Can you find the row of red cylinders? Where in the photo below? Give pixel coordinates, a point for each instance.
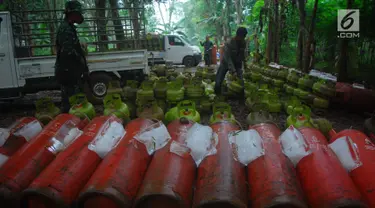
(129, 177)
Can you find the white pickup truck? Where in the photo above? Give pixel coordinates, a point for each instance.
(23, 70)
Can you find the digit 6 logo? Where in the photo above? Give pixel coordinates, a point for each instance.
(346, 19)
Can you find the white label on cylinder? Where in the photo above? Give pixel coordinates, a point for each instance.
(4, 135)
(347, 152)
(179, 149)
(29, 131)
(247, 146)
(3, 159)
(294, 145)
(61, 144)
(201, 141)
(108, 140)
(155, 137)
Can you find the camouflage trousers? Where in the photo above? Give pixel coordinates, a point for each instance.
(66, 92)
(220, 76)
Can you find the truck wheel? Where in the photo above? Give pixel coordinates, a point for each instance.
(189, 61)
(99, 87)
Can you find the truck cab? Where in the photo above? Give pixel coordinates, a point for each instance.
(176, 50)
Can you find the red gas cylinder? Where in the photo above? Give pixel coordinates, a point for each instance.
(117, 179)
(18, 134)
(59, 184)
(221, 52)
(272, 178)
(323, 179)
(169, 178)
(214, 55)
(364, 151)
(26, 164)
(314, 137)
(221, 180)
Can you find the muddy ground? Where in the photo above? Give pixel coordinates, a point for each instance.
(340, 118)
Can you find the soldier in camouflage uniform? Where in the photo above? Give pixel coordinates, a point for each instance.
(70, 66)
(233, 58)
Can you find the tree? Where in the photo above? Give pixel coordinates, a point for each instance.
(310, 46)
(301, 34)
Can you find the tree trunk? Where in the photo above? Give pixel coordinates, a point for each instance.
(343, 57)
(282, 25)
(270, 32)
(117, 24)
(309, 43)
(238, 11)
(227, 16)
(301, 33)
(101, 24)
(276, 34)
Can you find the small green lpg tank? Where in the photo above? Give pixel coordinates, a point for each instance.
(184, 108)
(81, 107)
(175, 91)
(113, 105)
(222, 112)
(300, 117)
(46, 110)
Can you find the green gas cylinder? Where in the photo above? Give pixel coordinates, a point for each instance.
(113, 105)
(199, 72)
(195, 89)
(171, 73)
(274, 103)
(291, 103)
(293, 77)
(247, 75)
(222, 112)
(306, 82)
(266, 71)
(209, 73)
(259, 117)
(184, 108)
(146, 92)
(162, 104)
(235, 86)
(300, 117)
(301, 93)
(150, 110)
(278, 83)
(208, 88)
(46, 110)
(319, 102)
(114, 86)
(175, 91)
(255, 76)
(130, 89)
(273, 72)
(325, 88)
(161, 87)
(289, 89)
(81, 107)
(250, 89)
(282, 73)
(160, 70)
(266, 79)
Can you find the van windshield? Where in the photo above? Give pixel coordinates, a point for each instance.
(185, 40)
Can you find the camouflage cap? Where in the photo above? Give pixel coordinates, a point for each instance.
(73, 6)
